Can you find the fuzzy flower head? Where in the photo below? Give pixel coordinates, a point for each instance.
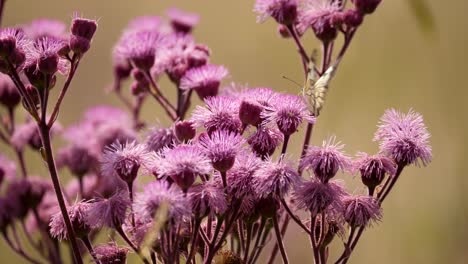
(184, 130)
(25, 194)
(43, 56)
(44, 27)
(374, 168)
(182, 164)
(78, 159)
(287, 112)
(241, 176)
(275, 178)
(207, 198)
(204, 80)
(159, 138)
(110, 212)
(283, 11)
(265, 140)
(78, 214)
(25, 134)
(157, 193)
(124, 160)
(322, 16)
(315, 196)
(140, 48)
(220, 113)
(222, 148)
(144, 23)
(111, 254)
(361, 211)
(404, 137)
(182, 21)
(9, 95)
(13, 45)
(7, 169)
(82, 32)
(325, 161)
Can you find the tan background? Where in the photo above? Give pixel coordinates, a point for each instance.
(392, 63)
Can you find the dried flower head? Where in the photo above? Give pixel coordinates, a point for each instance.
(404, 137)
(361, 210)
(283, 11)
(220, 113)
(78, 214)
(204, 80)
(125, 160)
(182, 164)
(374, 168)
(366, 6)
(275, 178)
(82, 32)
(110, 212)
(325, 161)
(316, 196)
(184, 130)
(287, 112)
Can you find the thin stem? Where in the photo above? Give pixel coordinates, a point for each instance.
(130, 193)
(130, 243)
(223, 177)
(392, 183)
(300, 48)
(20, 156)
(89, 246)
(279, 239)
(305, 145)
(354, 243)
(156, 93)
(75, 61)
(30, 106)
(257, 240)
(294, 217)
(186, 104)
(285, 144)
(196, 227)
(312, 238)
(262, 245)
(248, 241)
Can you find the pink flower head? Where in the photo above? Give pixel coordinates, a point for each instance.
(144, 23)
(45, 27)
(26, 133)
(43, 56)
(404, 137)
(125, 160)
(182, 21)
(321, 16)
(156, 193)
(265, 140)
(111, 253)
(262, 95)
(283, 11)
(361, 211)
(207, 198)
(9, 95)
(182, 164)
(325, 161)
(140, 48)
(13, 45)
(374, 168)
(110, 212)
(222, 148)
(275, 178)
(316, 196)
(159, 138)
(241, 176)
(184, 130)
(287, 112)
(7, 169)
(82, 32)
(205, 80)
(78, 214)
(220, 113)
(79, 159)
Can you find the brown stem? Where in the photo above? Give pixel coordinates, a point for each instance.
(156, 93)
(279, 239)
(294, 217)
(90, 249)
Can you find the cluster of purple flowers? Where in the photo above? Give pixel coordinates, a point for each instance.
(223, 173)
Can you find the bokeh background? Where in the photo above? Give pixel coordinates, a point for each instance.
(393, 62)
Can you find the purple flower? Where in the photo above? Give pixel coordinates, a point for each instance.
(207, 198)
(140, 48)
(322, 16)
(45, 27)
(184, 130)
(156, 193)
(91, 186)
(265, 140)
(262, 95)
(80, 160)
(325, 161)
(13, 44)
(125, 160)
(404, 137)
(7, 169)
(287, 112)
(361, 211)
(26, 133)
(222, 148)
(110, 212)
(316, 196)
(220, 113)
(205, 80)
(144, 23)
(25, 194)
(182, 164)
(366, 6)
(43, 56)
(275, 178)
(182, 21)
(78, 215)
(241, 176)
(374, 168)
(159, 138)
(283, 11)
(82, 32)
(5, 214)
(111, 253)
(9, 95)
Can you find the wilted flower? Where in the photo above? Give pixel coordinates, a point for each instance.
(325, 161)
(220, 113)
(82, 30)
(361, 210)
(404, 137)
(78, 217)
(204, 80)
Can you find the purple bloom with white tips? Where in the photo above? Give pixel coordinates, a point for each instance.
(322, 16)
(111, 253)
(43, 56)
(374, 168)
(242, 175)
(207, 198)
(283, 11)
(315, 196)
(404, 137)
(220, 113)
(78, 217)
(140, 48)
(110, 212)
(275, 178)
(159, 138)
(204, 80)
(361, 211)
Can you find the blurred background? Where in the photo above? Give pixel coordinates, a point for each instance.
(394, 61)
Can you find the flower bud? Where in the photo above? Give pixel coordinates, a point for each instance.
(7, 46)
(249, 112)
(199, 56)
(353, 18)
(184, 130)
(283, 31)
(48, 64)
(366, 6)
(79, 45)
(84, 28)
(9, 96)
